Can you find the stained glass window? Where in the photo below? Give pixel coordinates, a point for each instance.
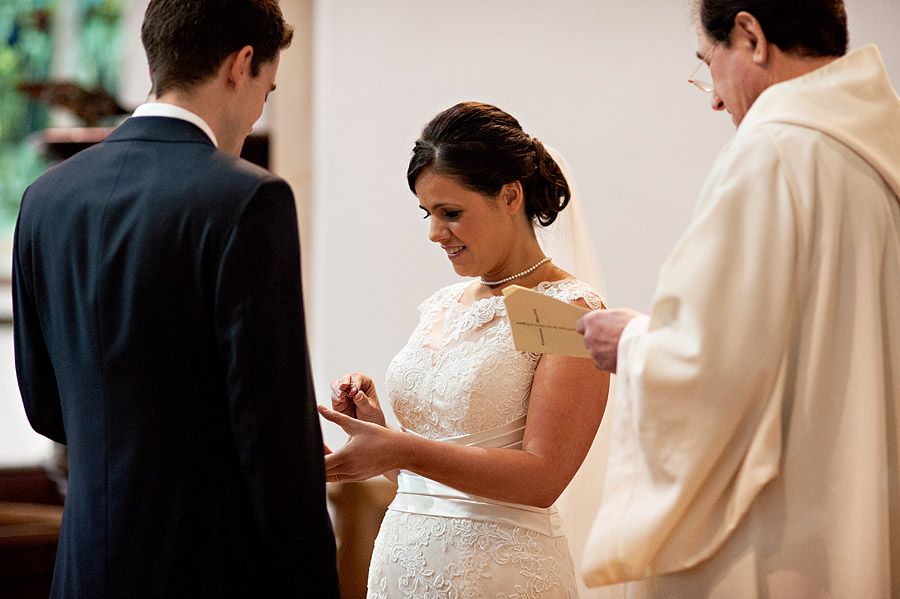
(100, 49)
(26, 52)
(43, 40)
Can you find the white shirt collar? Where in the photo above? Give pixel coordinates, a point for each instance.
(175, 112)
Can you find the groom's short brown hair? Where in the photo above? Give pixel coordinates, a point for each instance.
(187, 40)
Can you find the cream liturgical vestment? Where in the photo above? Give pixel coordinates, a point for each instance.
(755, 442)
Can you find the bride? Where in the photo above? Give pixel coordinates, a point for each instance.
(490, 436)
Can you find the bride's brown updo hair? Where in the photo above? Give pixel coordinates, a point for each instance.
(485, 148)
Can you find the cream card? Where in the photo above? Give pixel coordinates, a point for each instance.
(544, 325)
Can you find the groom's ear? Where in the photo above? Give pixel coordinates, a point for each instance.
(238, 67)
(512, 196)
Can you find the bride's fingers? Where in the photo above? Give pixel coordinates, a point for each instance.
(337, 468)
(365, 383)
(345, 388)
(342, 392)
(339, 478)
(361, 399)
(345, 422)
(340, 384)
(332, 462)
(338, 400)
(337, 395)
(342, 405)
(357, 378)
(337, 472)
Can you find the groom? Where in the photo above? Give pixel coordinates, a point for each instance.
(159, 333)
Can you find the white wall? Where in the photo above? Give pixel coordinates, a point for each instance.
(603, 82)
(19, 445)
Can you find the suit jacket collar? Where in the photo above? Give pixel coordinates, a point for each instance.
(155, 128)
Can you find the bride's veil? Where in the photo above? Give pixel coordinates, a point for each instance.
(568, 241)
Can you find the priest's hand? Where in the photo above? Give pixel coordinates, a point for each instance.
(602, 330)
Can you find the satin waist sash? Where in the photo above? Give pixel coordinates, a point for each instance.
(419, 495)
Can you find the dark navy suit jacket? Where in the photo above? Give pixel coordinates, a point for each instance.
(159, 334)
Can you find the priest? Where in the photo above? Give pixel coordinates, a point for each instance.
(757, 425)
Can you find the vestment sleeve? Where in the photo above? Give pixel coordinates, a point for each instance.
(697, 429)
(262, 343)
(34, 370)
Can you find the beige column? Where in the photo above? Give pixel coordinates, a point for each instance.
(290, 122)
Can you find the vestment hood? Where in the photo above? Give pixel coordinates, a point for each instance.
(850, 99)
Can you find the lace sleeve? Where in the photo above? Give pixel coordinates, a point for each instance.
(569, 290)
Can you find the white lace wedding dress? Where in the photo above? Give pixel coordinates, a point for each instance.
(460, 380)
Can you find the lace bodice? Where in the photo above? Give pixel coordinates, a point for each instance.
(459, 373)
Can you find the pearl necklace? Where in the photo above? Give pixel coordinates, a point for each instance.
(515, 276)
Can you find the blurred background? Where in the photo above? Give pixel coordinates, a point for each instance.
(603, 82)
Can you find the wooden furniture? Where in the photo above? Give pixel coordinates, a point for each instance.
(61, 143)
(29, 533)
(29, 485)
(358, 511)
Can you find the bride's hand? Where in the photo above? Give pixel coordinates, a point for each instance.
(369, 451)
(354, 396)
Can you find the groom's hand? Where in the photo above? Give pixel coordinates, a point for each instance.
(354, 396)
